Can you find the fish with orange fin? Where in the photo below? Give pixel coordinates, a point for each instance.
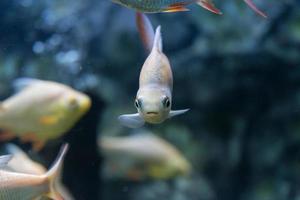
(41, 111)
(156, 6)
(16, 185)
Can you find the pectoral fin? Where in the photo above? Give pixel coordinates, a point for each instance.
(251, 5)
(4, 160)
(6, 135)
(177, 112)
(131, 120)
(38, 145)
(208, 4)
(177, 7)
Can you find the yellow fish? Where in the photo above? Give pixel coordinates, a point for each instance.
(21, 163)
(142, 156)
(16, 186)
(41, 111)
(154, 97)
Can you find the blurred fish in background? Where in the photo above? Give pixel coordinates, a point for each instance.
(22, 163)
(41, 111)
(142, 156)
(17, 185)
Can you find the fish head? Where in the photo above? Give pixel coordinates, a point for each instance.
(177, 166)
(153, 103)
(182, 167)
(75, 103)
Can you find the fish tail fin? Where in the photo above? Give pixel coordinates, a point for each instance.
(208, 5)
(253, 6)
(157, 43)
(54, 174)
(146, 30)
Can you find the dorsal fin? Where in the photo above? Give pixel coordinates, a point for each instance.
(4, 160)
(157, 43)
(54, 173)
(146, 30)
(208, 4)
(21, 83)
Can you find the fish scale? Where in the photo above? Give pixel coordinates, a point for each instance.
(10, 192)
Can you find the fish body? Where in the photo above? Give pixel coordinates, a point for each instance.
(16, 185)
(156, 6)
(41, 111)
(20, 162)
(142, 156)
(154, 97)
(151, 6)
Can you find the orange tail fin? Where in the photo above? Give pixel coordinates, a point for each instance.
(145, 30)
(208, 4)
(251, 5)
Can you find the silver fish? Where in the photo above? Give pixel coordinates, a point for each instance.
(22, 163)
(154, 97)
(16, 186)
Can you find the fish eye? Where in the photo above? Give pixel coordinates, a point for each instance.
(73, 103)
(166, 102)
(137, 103)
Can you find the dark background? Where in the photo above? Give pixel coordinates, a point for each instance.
(239, 74)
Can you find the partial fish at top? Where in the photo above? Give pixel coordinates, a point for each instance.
(156, 6)
(154, 97)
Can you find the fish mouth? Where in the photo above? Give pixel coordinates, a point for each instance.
(152, 113)
(86, 104)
